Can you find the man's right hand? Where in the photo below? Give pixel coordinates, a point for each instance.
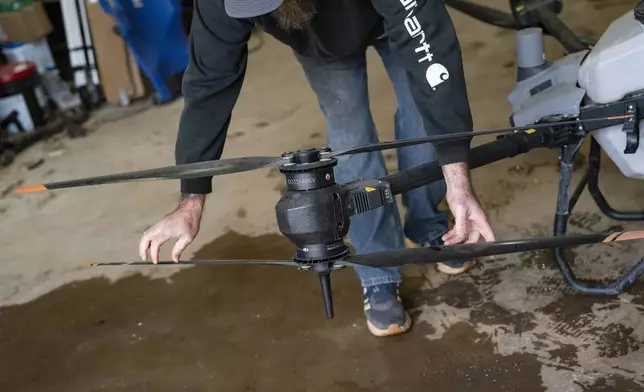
(471, 222)
(182, 224)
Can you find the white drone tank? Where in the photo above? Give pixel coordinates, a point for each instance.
(614, 69)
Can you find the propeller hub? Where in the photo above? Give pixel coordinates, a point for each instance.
(309, 169)
(318, 253)
(307, 155)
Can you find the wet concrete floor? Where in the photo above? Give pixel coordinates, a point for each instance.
(262, 328)
(511, 325)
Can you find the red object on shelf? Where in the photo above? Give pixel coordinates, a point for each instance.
(16, 71)
(19, 99)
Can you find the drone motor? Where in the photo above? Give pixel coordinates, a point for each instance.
(314, 212)
(310, 213)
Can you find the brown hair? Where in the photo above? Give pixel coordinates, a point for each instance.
(294, 14)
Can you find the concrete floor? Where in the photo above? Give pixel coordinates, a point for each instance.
(507, 325)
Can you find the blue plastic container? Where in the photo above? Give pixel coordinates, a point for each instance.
(154, 32)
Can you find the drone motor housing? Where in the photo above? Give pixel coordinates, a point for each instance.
(310, 213)
(314, 213)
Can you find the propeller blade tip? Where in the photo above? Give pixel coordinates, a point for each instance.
(31, 188)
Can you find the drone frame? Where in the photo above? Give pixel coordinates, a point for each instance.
(568, 139)
(307, 213)
(543, 14)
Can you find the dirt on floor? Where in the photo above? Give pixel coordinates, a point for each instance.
(250, 328)
(510, 324)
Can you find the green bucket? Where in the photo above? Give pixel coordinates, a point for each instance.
(14, 5)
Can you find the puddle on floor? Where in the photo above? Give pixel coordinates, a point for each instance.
(238, 328)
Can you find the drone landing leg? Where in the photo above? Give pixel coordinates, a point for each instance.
(596, 193)
(325, 283)
(565, 204)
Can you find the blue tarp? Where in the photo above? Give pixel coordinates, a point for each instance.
(154, 32)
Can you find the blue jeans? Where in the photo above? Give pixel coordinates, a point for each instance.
(341, 89)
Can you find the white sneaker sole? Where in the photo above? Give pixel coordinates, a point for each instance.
(454, 271)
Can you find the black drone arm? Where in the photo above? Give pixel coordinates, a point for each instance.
(544, 135)
(505, 147)
(367, 195)
(526, 13)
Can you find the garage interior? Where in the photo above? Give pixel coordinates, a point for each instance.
(509, 324)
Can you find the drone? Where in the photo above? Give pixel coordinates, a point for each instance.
(591, 91)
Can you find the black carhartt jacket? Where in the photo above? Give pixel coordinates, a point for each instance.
(420, 33)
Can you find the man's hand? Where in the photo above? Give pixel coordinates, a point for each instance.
(471, 222)
(183, 224)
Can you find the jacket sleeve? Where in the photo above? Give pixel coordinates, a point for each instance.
(212, 82)
(423, 38)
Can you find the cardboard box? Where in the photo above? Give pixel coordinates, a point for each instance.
(117, 69)
(27, 25)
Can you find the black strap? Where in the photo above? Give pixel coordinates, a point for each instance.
(631, 127)
(639, 11)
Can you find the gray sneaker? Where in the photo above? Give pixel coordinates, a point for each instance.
(452, 267)
(384, 310)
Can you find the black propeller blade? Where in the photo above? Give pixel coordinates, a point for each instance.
(417, 256)
(237, 165)
(438, 254)
(190, 170)
(199, 262)
(456, 136)
(432, 254)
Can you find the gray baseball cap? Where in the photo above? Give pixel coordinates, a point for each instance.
(250, 8)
